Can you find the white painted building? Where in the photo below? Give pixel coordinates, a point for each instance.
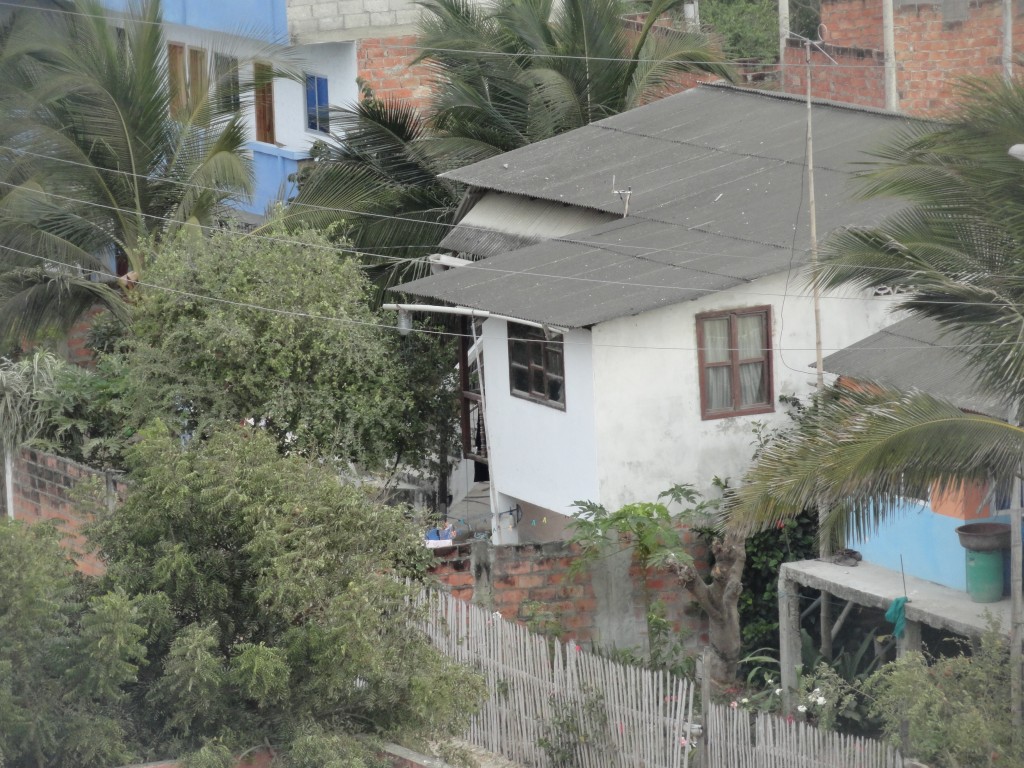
(654, 260)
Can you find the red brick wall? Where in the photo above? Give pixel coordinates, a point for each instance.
(385, 64)
(532, 584)
(857, 77)
(931, 54)
(43, 490)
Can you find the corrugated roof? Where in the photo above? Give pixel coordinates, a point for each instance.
(917, 354)
(717, 198)
(498, 223)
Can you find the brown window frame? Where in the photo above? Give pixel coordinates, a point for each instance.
(735, 362)
(263, 112)
(547, 347)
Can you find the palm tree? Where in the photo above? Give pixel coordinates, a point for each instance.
(957, 251)
(519, 71)
(94, 162)
(508, 74)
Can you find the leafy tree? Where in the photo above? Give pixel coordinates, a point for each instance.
(278, 331)
(100, 156)
(509, 73)
(64, 658)
(283, 610)
(250, 599)
(749, 28)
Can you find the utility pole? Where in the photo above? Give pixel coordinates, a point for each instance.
(824, 546)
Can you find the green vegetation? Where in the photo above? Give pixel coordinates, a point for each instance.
(250, 598)
(99, 157)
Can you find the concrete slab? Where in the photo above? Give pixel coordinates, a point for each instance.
(872, 585)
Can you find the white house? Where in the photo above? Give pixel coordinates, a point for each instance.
(653, 259)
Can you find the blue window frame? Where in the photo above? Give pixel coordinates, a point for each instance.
(317, 110)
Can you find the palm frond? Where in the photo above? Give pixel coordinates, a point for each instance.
(862, 454)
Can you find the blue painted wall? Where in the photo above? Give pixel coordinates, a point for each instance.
(271, 167)
(260, 19)
(928, 543)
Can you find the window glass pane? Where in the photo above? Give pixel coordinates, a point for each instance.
(716, 340)
(517, 350)
(228, 91)
(719, 388)
(311, 102)
(555, 390)
(520, 379)
(537, 381)
(752, 384)
(536, 353)
(323, 115)
(750, 332)
(554, 361)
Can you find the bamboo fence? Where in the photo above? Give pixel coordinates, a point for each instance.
(590, 711)
(772, 742)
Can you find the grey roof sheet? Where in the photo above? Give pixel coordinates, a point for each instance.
(718, 198)
(917, 354)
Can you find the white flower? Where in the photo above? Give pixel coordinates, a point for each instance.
(801, 708)
(778, 691)
(816, 692)
(770, 681)
(821, 701)
(744, 701)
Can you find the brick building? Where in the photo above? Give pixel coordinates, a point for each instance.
(930, 47)
(378, 34)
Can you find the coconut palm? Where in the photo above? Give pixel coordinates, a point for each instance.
(956, 250)
(518, 71)
(94, 165)
(508, 74)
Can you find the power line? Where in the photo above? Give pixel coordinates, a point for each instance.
(645, 253)
(592, 344)
(905, 66)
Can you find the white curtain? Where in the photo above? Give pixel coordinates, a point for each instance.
(716, 350)
(750, 331)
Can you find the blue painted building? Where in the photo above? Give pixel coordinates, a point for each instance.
(286, 116)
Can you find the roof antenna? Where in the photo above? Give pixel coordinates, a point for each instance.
(623, 196)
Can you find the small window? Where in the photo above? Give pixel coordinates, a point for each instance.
(734, 355)
(225, 70)
(318, 116)
(536, 366)
(264, 103)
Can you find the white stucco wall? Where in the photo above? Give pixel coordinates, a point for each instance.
(648, 425)
(540, 455)
(336, 62)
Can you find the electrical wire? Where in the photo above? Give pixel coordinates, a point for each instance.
(904, 66)
(646, 252)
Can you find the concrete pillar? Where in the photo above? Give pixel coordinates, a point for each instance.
(910, 642)
(789, 637)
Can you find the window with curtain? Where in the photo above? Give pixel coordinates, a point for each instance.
(536, 365)
(734, 355)
(317, 110)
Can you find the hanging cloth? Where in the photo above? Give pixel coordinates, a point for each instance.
(898, 616)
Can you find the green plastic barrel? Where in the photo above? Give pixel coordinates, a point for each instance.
(985, 576)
